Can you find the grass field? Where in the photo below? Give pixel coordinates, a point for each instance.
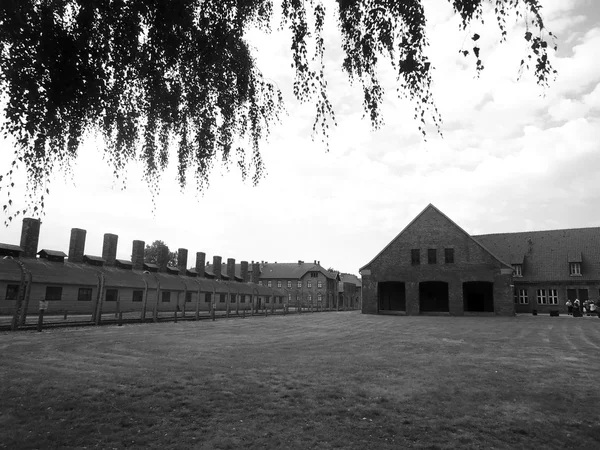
(331, 380)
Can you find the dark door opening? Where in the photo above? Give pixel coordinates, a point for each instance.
(392, 296)
(433, 296)
(478, 296)
(581, 294)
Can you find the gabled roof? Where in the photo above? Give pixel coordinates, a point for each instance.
(150, 267)
(124, 264)
(94, 260)
(292, 270)
(10, 250)
(548, 253)
(55, 253)
(350, 278)
(428, 207)
(45, 271)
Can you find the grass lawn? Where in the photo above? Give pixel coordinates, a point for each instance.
(332, 380)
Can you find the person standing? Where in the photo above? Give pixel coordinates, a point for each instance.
(576, 308)
(569, 307)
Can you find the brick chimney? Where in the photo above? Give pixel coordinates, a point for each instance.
(109, 249)
(217, 267)
(30, 235)
(200, 263)
(162, 258)
(137, 255)
(231, 268)
(77, 245)
(255, 272)
(244, 271)
(182, 255)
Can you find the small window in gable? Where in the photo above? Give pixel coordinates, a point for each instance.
(575, 269)
(449, 255)
(518, 270)
(431, 256)
(415, 257)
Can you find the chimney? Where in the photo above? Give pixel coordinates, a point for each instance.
(77, 245)
(255, 272)
(300, 262)
(182, 255)
(162, 258)
(319, 263)
(231, 268)
(200, 263)
(244, 271)
(137, 255)
(30, 235)
(109, 249)
(217, 267)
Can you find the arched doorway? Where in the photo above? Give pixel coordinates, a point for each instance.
(433, 296)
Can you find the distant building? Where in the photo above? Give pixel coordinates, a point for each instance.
(304, 283)
(349, 291)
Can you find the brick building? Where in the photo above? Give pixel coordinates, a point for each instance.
(434, 266)
(550, 266)
(306, 284)
(349, 291)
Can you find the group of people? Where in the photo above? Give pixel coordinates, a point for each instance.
(588, 307)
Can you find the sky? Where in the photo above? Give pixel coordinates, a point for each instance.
(513, 157)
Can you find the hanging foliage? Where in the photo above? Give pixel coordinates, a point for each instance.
(148, 74)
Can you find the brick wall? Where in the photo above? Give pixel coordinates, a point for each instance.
(433, 230)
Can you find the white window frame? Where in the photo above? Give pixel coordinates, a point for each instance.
(269, 283)
(575, 269)
(553, 296)
(320, 284)
(542, 299)
(308, 283)
(289, 284)
(319, 297)
(518, 270)
(523, 298)
(299, 284)
(278, 283)
(310, 297)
